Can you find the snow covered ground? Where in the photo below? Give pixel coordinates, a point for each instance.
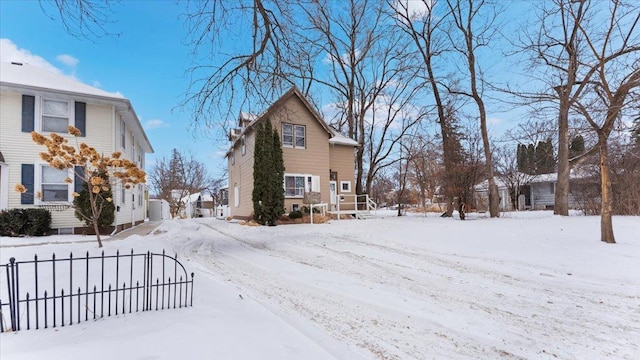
(528, 285)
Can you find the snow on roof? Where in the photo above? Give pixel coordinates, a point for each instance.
(26, 75)
(192, 198)
(34, 79)
(248, 116)
(339, 139)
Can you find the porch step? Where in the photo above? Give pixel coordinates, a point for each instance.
(364, 215)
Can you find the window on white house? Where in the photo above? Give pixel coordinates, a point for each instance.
(552, 188)
(123, 134)
(294, 186)
(122, 194)
(133, 148)
(54, 188)
(55, 115)
(243, 145)
(345, 186)
(140, 193)
(140, 157)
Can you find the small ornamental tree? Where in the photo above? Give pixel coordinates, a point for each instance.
(99, 172)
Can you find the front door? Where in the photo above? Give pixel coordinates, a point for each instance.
(333, 185)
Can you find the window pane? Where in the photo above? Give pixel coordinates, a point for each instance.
(300, 136)
(59, 108)
(287, 134)
(294, 186)
(54, 124)
(53, 175)
(55, 192)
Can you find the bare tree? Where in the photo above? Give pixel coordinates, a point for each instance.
(475, 22)
(427, 31)
(615, 65)
(425, 167)
(176, 177)
(371, 74)
(86, 19)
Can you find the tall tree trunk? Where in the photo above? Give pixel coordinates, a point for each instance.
(606, 224)
(561, 206)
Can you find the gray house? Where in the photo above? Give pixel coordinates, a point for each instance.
(536, 193)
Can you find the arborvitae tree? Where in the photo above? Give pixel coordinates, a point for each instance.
(531, 156)
(544, 158)
(522, 158)
(576, 147)
(277, 178)
(268, 176)
(106, 209)
(259, 174)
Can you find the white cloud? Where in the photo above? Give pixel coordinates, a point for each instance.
(414, 9)
(68, 60)
(155, 124)
(9, 52)
(494, 121)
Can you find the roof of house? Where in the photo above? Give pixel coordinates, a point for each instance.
(192, 198)
(534, 179)
(33, 80)
(335, 136)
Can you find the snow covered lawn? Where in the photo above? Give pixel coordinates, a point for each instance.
(528, 285)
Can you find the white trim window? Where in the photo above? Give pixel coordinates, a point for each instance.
(301, 136)
(140, 165)
(56, 115)
(295, 185)
(123, 134)
(243, 145)
(294, 136)
(122, 194)
(345, 186)
(53, 186)
(236, 195)
(133, 148)
(140, 194)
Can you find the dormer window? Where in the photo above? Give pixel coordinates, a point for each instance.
(293, 135)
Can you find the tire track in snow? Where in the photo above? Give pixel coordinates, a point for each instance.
(427, 280)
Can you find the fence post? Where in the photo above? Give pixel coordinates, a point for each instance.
(12, 292)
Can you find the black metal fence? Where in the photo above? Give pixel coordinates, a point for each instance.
(41, 293)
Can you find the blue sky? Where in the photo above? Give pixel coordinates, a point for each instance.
(146, 63)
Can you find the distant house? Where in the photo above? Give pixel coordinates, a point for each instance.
(197, 205)
(318, 160)
(537, 193)
(32, 99)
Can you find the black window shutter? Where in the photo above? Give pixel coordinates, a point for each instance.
(28, 112)
(27, 181)
(78, 179)
(81, 117)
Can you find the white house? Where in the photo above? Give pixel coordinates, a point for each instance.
(33, 99)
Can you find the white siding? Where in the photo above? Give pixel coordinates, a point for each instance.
(18, 148)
